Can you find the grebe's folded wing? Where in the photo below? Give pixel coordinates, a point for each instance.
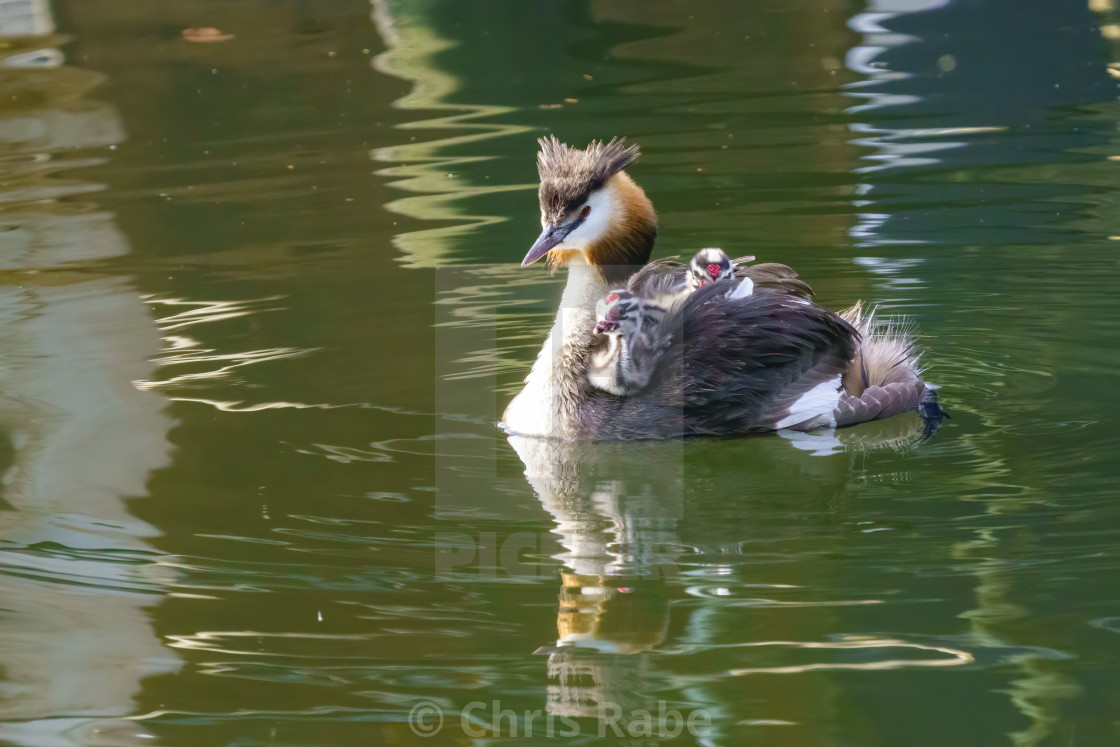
(885, 378)
(764, 363)
(777, 365)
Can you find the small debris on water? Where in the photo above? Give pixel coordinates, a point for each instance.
(205, 35)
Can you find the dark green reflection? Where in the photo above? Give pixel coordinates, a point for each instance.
(251, 497)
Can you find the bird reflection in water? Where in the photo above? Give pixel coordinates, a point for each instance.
(617, 510)
(616, 517)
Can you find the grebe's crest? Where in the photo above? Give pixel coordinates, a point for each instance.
(569, 175)
(591, 210)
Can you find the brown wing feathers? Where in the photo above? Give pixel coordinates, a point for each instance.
(733, 368)
(776, 277)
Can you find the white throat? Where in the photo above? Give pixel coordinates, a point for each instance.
(541, 408)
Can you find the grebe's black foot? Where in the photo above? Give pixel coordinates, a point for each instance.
(932, 413)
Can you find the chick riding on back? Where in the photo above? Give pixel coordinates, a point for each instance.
(635, 339)
(713, 266)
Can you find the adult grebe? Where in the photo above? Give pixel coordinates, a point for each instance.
(761, 363)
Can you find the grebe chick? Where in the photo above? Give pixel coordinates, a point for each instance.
(667, 281)
(634, 344)
(706, 267)
(714, 266)
(632, 325)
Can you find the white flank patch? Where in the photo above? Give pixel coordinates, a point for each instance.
(744, 289)
(815, 408)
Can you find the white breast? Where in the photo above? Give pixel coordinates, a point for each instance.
(537, 410)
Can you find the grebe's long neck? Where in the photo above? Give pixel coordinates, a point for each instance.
(554, 387)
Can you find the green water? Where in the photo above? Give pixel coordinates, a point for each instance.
(261, 307)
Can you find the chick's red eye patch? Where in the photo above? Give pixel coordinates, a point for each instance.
(713, 270)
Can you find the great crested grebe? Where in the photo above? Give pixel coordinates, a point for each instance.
(635, 337)
(762, 363)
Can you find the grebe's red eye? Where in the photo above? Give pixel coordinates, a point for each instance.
(612, 298)
(713, 270)
(585, 212)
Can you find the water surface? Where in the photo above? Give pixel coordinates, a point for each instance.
(261, 309)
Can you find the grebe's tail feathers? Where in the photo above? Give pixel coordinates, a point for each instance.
(887, 352)
(885, 377)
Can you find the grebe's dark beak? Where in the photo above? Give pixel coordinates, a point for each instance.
(550, 237)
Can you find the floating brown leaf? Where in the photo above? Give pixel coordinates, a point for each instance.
(207, 34)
